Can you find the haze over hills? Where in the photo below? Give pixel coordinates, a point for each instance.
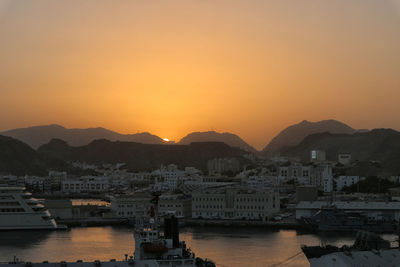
(212, 136)
(40, 135)
(294, 134)
(380, 145)
(139, 156)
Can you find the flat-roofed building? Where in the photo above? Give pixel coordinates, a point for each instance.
(235, 204)
(131, 206)
(59, 208)
(85, 184)
(178, 205)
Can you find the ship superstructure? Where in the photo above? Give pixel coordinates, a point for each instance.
(164, 247)
(19, 211)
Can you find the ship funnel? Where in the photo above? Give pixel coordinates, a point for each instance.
(171, 230)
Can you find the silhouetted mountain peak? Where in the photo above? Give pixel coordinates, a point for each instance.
(213, 136)
(381, 145)
(294, 134)
(38, 135)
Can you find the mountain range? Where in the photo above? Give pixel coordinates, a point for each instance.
(291, 136)
(377, 150)
(40, 135)
(18, 158)
(212, 136)
(141, 157)
(379, 146)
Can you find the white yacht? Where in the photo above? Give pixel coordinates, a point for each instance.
(19, 211)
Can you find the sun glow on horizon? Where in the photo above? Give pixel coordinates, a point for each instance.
(250, 68)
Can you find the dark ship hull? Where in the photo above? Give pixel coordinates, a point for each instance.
(330, 219)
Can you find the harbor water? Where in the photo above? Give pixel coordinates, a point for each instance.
(225, 246)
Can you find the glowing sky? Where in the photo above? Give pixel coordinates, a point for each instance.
(173, 67)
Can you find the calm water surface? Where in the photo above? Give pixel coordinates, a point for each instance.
(226, 246)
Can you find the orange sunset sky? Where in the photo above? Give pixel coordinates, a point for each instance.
(173, 67)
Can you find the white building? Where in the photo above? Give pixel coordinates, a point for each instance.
(177, 205)
(171, 176)
(298, 172)
(235, 204)
(130, 206)
(344, 181)
(85, 184)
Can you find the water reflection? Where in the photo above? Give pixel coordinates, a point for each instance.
(226, 246)
(22, 239)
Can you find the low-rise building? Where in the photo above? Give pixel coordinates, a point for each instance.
(131, 206)
(85, 184)
(59, 208)
(322, 177)
(178, 205)
(235, 204)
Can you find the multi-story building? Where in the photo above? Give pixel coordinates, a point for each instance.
(344, 181)
(235, 204)
(221, 165)
(171, 177)
(131, 206)
(177, 205)
(12, 180)
(322, 177)
(85, 184)
(297, 172)
(53, 181)
(34, 183)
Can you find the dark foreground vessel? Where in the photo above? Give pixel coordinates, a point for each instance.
(368, 249)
